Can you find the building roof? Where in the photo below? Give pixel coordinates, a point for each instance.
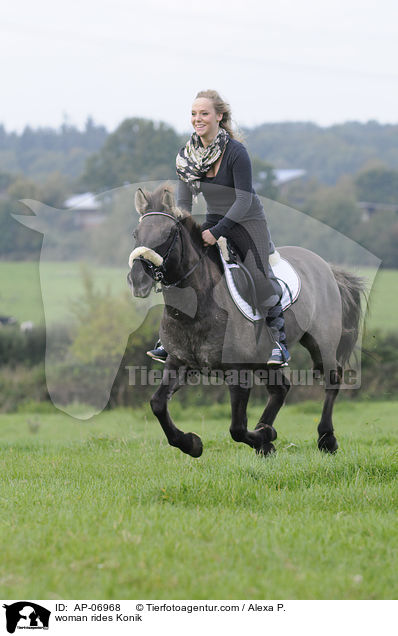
(85, 201)
(288, 174)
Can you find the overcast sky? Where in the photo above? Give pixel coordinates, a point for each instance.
(325, 61)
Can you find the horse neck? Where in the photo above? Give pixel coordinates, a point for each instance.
(204, 277)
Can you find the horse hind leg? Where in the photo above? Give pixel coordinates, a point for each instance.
(256, 439)
(309, 342)
(326, 439)
(278, 387)
(332, 373)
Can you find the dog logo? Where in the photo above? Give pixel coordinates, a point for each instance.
(26, 615)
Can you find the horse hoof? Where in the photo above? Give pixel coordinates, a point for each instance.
(268, 432)
(328, 444)
(194, 445)
(266, 449)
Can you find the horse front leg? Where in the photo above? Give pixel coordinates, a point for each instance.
(238, 429)
(277, 386)
(189, 443)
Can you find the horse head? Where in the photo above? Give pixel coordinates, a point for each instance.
(158, 250)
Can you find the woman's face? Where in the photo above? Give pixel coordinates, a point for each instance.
(204, 119)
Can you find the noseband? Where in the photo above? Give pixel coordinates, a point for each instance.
(158, 272)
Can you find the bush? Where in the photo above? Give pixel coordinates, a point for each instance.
(23, 382)
(19, 385)
(22, 347)
(28, 348)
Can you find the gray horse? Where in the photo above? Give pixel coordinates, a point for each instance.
(202, 329)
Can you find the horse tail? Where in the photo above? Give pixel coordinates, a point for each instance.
(352, 288)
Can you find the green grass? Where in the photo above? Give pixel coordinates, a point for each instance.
(106, 509)
(20, 292)
(383, 306)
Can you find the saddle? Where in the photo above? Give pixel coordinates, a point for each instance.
(241, 287)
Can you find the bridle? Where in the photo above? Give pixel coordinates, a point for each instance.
(158, 272)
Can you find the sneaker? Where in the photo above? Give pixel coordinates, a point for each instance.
(279, 356)
(159, 353)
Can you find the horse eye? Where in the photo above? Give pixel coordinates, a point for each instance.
(135, 234)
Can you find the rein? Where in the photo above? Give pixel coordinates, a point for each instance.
(158, 272)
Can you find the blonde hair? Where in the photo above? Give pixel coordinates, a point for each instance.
(222, 108)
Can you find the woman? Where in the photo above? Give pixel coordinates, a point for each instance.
(215, 163)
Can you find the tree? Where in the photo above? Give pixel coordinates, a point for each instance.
(378, 185)
(336, 206)
(55, 189)
(5, 180)
(139, 149)
(38, 152)
(22, 188)
(379, 235)
(16, 241)
(264, 178)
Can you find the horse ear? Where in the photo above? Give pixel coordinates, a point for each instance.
(168, 200)
(141, 201)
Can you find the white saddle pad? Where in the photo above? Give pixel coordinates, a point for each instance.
(286, 275)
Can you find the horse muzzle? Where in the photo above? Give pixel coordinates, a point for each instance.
(146, 267)
(139, 281)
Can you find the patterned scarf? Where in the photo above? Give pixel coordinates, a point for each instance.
(194, 160)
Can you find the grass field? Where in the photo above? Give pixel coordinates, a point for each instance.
(383, 306)
(20, 293)
(106, 509)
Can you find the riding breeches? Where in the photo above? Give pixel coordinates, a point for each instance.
(251, 242)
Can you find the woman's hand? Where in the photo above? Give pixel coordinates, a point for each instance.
(208, 238)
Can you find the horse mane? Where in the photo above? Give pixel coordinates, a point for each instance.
(163, 200)
(193, 228)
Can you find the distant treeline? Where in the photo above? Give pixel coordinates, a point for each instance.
(326, 153)
(351, 182)
(38, 152)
